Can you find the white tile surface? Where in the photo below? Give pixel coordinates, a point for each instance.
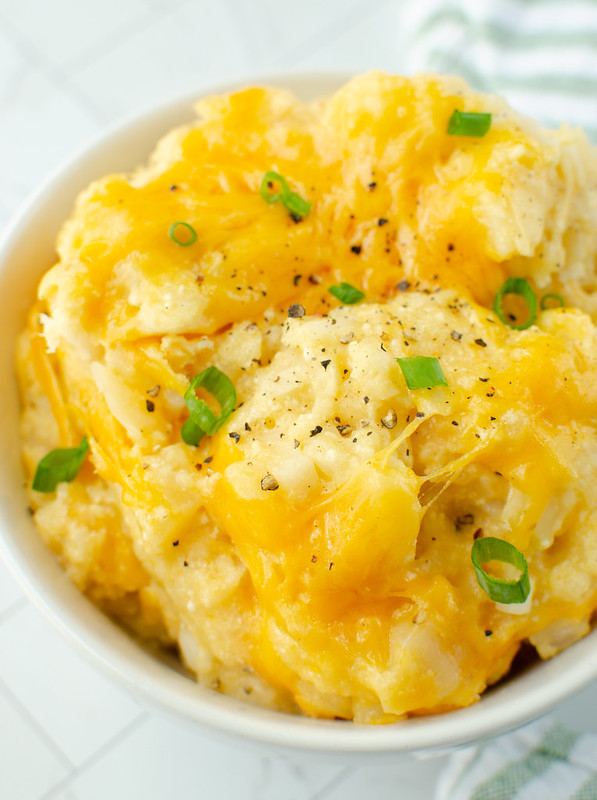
(368, 41)
(28, 766)
(178, 52)
(79, 708)
(31, 101)
(162, 759)
(10, 591)
(387, 782)
(59, 32)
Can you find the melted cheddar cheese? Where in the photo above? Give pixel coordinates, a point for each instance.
(347, 590)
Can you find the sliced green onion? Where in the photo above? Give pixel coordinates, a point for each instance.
(501, 590)
(557, 297)
(60, 466)
(191, 433)
(422, 372)
(202, 419)
(296, 206)
(519, 286)
(267, 187)
(347, 294)
(190, 234)
(469, 123)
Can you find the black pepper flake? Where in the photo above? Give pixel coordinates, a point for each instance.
(356, 249)
(481, 342)
(344, 430)
(456, 336)
(390, 419)
(296, 217)
(493, 420)
(316, 430)
(489, 394)
(488, 633)
(186, 563)
(173, 188)
(296, 310)
(382, 221)
(450, 246)
(483, 380)
(247, 426)
(477, 533)
(326, 363)
(331, 564)
(176, 543)
(403, 285)
(454, 423)
(150, 405)
(235, 436)
(208, 460)
(420, 413)
(315, 280)
(269, 483)
(296, 279)
(296, 443)
(383, 348)
(372, 185)
(465, 519)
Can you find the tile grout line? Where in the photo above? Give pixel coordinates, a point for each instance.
(23, 711)
(339, 778)
(115, 740)
(14, 607)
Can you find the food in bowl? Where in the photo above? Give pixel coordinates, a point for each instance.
(311, 396)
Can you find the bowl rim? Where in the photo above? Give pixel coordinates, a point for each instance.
(116, 653)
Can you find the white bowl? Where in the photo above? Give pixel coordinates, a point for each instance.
(25, 253)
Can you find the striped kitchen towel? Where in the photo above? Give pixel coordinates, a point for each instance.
(540, 54)
(543, 761)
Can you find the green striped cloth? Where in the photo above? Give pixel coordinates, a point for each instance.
(540, 54)
(540, 762)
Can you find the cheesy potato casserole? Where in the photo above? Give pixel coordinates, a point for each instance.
(311, 397)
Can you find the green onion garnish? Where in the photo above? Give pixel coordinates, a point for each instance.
(469, 123)
(267, 187)
(501, 590)
(347, 294)
(60, 466)
(547, 297)
(297, 207)
(519, 286)
(422, 372)
(189, 235)
(202, 419)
